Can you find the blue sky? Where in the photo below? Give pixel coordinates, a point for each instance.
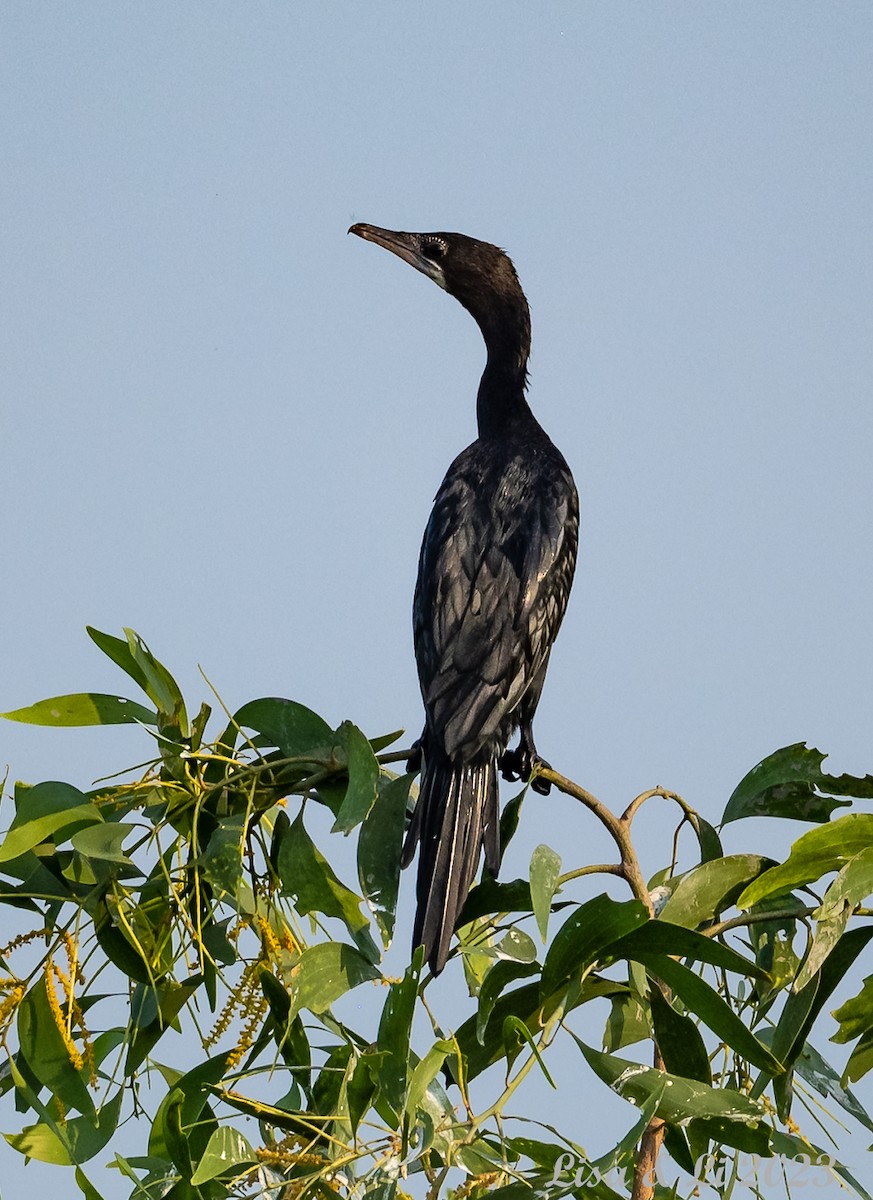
(224, 421)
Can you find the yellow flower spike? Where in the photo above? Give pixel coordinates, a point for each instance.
(24, 939)
(87, 1044)
(289, 1158)
(72, 957)
(9, 1005)
(289, 942)
(256, 1007)
(226, 1015)
(240, 998)
(51, 972)
(268, 939)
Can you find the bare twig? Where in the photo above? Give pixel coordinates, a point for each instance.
(629, 869)
(618, 828)
(776, 914)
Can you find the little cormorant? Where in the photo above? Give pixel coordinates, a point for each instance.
(494, 574)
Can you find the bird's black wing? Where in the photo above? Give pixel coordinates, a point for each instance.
(495, 570)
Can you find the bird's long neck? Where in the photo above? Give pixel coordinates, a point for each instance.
(501, 407)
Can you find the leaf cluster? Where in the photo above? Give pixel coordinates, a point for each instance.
(203, 895)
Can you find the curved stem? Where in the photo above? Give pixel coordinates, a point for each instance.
(630, 812)
(744, 919)
(548, 1032)
(595, 869)
(392, 756)
(630, 870)
(619, 830)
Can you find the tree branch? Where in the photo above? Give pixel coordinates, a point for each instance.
(617, 828)
(630, 870)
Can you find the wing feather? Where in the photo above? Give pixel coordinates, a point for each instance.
(496, 566)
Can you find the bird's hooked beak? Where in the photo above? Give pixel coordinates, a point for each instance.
(407, 246)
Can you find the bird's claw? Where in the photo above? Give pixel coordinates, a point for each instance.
(522, 763)
(538, 783)
(413, 763)
(510, 765)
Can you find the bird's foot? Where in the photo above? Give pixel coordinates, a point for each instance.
(413, 763)
(522, 763)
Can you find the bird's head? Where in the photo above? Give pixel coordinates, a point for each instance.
(477, 274)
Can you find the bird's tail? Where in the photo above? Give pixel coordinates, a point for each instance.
(457, 813)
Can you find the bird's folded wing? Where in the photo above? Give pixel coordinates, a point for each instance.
(493, 585)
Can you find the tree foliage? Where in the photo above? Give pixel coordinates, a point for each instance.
(196, 897)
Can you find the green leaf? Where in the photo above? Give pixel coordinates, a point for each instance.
(585, 936)
(515, 946)
(289, 1035)
(395, 1028)
(708, 839)
(83, 708)
(326, 972)
(710, 888)
(222, 860)
(787, 784)
(681, 1100)
(490, 897)
(853, 884)
(516, 1033)
(47, 812)
(226, 1150)
(545, 869)
(425, 1073)
(496, 981)
(103, 842)
(826, 848)
(628, 1022)
(46, 1053)
(75, 1141)
(524, 1002)
(160, 686)
(378, 744)
(679, 1040)
(861, 1059)
(184, 1122)
(855, 1017)
(85, 1186)
(118, 650)
(663, 938)
(308, 876)
(821, 1075)
(295, 729)
(379, 845)
(363, 778)
(153, 1012)
(829, 928)
(697, 995)
(360, 1086)
(510, 818)
(802, 1008)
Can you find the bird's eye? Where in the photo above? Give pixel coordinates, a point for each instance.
(432, 247)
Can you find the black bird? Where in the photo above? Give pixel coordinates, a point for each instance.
(494, 574)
